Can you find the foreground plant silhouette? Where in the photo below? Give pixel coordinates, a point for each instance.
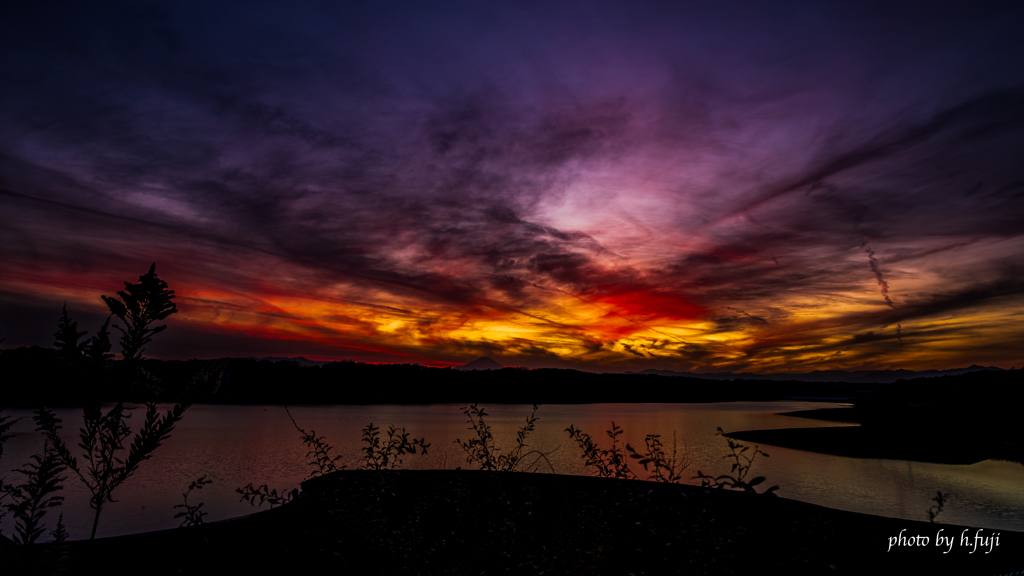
(319, 450)
(31, 499)
(607, 463)
(387, 455)
(742, 463)
(58, 558)
(192, 513)
(6, 423)
(258, 495)
(482, 451)
(42, 480)
(102, 439)
(420, 523)
(322, 463)
(140, 305)
(614, 462)
(7, 491)
(103, 434)
(378, 455)
(940, 503)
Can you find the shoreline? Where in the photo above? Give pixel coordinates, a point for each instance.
(870, 436)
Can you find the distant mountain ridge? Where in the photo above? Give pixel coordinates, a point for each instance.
(298, 359)
(482, 363)
(856, 377)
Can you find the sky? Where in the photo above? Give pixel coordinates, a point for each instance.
(609, 186)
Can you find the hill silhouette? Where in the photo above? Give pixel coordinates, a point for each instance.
(482, 363)
(854, 377)
(250, 381)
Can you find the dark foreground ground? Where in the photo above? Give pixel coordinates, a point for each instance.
(470, 522)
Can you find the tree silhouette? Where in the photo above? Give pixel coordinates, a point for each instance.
(97, 348)
(140, 305)
(106, 460)
(66, 338)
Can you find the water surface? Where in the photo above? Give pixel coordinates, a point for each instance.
(236, 445)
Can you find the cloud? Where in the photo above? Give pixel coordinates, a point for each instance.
(882, 284)
(551, 183)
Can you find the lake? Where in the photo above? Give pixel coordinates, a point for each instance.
(236, 445)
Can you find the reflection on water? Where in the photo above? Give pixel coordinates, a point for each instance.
(236, 445)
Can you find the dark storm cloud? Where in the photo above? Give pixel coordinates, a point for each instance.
(748, 315)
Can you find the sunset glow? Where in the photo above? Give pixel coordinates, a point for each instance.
(791, 189)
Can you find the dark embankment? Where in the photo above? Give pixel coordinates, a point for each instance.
(857, 442)
(469, 522)
(952, 419)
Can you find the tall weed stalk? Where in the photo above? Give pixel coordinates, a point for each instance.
(31, 499)
(381, 455)
(378, 454)
(742, 463)
(105, 466)
(940, 503)
(192, 513)
(607, 463)
(321, 461)
(486, 455)
(6, 423)
(614, 462)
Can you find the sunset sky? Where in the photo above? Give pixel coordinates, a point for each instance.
(712, 186)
